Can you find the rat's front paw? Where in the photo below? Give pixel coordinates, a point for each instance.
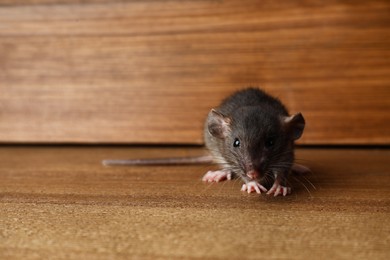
(217, 176)
(278, 189)
(253, 186)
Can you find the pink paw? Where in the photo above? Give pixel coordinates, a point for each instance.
(253, 186)
(278, 189)
(217, 176)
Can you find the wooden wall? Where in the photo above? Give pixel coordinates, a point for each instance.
(149, 71)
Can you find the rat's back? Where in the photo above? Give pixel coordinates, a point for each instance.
(251, 97)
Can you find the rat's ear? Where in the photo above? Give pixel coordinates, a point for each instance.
(295, 125)
(218, 124)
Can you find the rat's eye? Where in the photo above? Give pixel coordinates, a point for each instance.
(269, 142)
(236, 142)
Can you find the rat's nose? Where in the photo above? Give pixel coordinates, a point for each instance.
(253, 174)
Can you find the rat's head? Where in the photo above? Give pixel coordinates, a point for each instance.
(254, 141)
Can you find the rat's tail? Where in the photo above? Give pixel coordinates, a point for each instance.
(300, 169)
(159, 161)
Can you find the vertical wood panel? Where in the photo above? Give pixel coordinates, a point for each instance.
(149, 71)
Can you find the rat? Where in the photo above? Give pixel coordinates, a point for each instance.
(251, 136)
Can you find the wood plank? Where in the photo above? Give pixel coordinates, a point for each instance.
(149, 71)
(60, 202)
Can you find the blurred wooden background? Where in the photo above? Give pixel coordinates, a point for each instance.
(149, 71)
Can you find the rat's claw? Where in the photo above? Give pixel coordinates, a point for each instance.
(229, 176)
(253, 186)
(217, 176)
(278, 189)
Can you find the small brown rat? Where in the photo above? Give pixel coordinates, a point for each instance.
(251, 136)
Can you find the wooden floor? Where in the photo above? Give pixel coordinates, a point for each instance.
(60, 201)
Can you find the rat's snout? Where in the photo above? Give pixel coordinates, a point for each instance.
(253, 174)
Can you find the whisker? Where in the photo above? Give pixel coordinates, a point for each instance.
(309, 182)
(303, 185)
(206, 188)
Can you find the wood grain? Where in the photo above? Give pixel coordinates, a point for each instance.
(149, 71)
(59, 202)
